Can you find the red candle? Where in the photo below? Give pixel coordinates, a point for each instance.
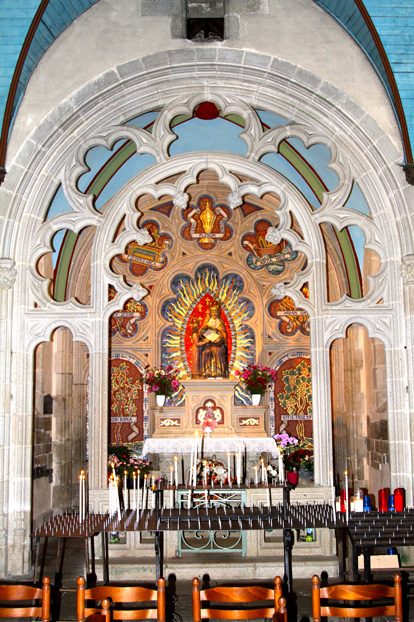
(399, 499)
(383, 500)
(343, 501)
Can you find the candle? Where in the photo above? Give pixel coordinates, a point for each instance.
(346, 496)
(171, 475)
(195, 458)
(263, 469)
(190, 476)
(333, 496)
(110, 495)
(176, 470)
(134, 491)
(228, 468)
(281, 465)
(238, 466)
(118, 507)
(80, 498)
(256, 474)
(138, 485)
(125, 490)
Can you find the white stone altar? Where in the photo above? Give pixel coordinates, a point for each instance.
(217, 394)
(212, 445)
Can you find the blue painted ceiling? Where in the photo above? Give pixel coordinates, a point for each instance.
(393, 21)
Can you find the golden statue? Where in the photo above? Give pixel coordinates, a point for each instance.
(210, 349)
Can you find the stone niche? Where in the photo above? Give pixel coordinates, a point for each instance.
(214, 394)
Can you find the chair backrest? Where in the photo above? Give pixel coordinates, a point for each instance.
(105, 616)
(14, 595)
(146, 604)
(364, 592)
(228, 603)
(281, 614)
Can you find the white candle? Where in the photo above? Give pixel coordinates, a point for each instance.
(333, 496)
(256, 474)
(110, 495)
(138, 485)
(195, 458)
(263, 469)
(346, 496)
(268, 497)
(118, 507)
(190, 476)
(125, 490)
(80, 498)
(228, 467)
(134, 491)
(281, 468)
(171, 475)
(176, 470)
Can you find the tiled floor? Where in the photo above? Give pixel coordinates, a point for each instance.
(178, 592)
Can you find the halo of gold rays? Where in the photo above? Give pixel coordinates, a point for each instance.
(189, 292)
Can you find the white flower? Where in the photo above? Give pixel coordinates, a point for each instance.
(220, 472)
(272, 470)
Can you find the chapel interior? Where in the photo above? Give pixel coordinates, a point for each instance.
(204, 187)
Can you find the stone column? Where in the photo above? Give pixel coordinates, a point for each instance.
(98, 409)
(7, 279)
(407, 273)
(321, 403)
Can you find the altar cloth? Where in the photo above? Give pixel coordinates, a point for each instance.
(210, 445)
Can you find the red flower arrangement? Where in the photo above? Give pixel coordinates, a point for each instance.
(256, 378)
(161, 381)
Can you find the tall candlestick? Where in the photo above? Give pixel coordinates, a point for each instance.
(134, 491)
(176, 470)
(80, 498)
(195, 458)
(138, 485)
(228, 468)
(118, 507)
(190, 476)
(263, 469)
(171, 475)
(125, 491)
(281, 466)
(333, 496)
(256, 474)
(346, 496)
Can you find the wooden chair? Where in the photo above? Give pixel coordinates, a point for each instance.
(281, 613)
(369, 592)
(228, 603)
(14, 594)
(151, 603)
(105, 616)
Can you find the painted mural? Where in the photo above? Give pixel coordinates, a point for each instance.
(127, 416)
(263, 254)
(293, 398)
(139, 258)
(207, 223)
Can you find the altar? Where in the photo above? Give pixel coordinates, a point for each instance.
(214, 396)
(210, 445)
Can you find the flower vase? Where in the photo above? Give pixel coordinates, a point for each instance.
(256, 399)
(208, 431)
(160, 399)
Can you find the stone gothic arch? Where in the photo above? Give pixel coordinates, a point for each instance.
(54, 154)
